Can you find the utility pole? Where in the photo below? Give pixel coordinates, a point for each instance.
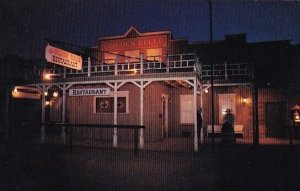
(212, 72)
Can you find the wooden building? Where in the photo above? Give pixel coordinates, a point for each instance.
(154, 80)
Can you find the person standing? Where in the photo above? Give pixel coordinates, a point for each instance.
(227, 129)
(199, 124)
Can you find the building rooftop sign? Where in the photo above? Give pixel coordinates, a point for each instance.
(63, 58)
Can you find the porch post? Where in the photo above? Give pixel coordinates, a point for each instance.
(142, 63)
(43, 133)
(63, 116)
(195, 117)
(142, 142)
(89, 66)
(201, 105)
(115, 133)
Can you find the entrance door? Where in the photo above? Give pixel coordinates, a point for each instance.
(165, 111)
(275, 119)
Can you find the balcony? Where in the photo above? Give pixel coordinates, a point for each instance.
(171, 64)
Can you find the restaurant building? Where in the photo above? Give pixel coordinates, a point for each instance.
(153, 80)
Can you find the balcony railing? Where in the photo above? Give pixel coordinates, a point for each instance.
(158, 64)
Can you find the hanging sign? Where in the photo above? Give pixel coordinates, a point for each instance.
(89, 92)
(63, 58)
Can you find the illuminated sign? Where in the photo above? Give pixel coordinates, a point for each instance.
(63, 58)
(89, 92)
(134, 43)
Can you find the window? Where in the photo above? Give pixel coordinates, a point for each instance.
(105, 104)
(110, 58)
(226, 101)
(154, 54)
(133, 54)
(187, 109)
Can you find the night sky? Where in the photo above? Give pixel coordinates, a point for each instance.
(25, 24)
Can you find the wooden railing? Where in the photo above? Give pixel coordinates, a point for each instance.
(158, 64)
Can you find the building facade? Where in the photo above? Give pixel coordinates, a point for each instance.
(154, 80)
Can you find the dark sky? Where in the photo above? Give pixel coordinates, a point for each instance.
(26, 23)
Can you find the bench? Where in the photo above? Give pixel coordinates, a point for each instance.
(238, 129)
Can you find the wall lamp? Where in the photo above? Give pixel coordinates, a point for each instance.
(244, 101)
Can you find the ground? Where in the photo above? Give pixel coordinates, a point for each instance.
(240, 167)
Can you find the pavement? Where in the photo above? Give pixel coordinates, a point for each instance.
(28, 166)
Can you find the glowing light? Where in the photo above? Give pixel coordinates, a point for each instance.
(46, 93)
(15, 90)
(47, 76)
(206, 91)
(47, 103)
(134, 71)
(55, 94)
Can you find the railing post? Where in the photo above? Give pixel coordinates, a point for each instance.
(142, 63)
(89, 66)
(116, 66)
(180, 60)
(168, 64)
(226, 75)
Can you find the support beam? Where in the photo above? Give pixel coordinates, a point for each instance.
(142, 141)
(115, 131)
(195, 117)
(63, 116)
(43, 133)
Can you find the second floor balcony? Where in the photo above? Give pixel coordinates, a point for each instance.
(179, 63)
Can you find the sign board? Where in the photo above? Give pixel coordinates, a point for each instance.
(134, 43)
(89, 92)
(63, 58)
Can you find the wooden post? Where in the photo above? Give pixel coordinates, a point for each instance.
(116, 66)
(43, 133)
(63, 115)
(142, 63)
(195, 117)
(135, 140)
(89, 66)
(142, 142)
(115, 131)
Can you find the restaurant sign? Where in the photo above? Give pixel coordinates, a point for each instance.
(89, 92)
(63, 58)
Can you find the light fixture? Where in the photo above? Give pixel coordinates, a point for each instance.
(15, 90)
(244, 101)
(47, 76)
(55, 94)
(45, 93)
(47, 103)
(206, 91)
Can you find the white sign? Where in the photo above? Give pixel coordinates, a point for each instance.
(89, 92)
(63, 58)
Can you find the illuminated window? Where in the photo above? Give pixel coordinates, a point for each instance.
(154, 54)
(110, 58)
(105, 104)
(133, 54)
(187, 109)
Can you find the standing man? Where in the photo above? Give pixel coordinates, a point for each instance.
(227, 131)
(199, 124)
